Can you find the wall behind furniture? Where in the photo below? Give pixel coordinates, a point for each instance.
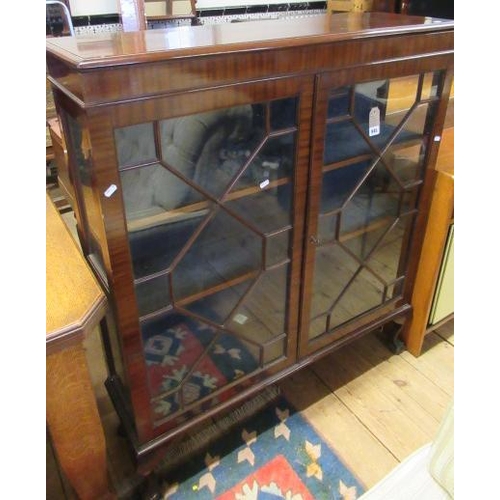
(93, 7)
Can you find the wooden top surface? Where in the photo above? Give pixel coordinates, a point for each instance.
(95, 51)
(74, 300)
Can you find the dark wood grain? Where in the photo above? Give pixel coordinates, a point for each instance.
(118, 80)
(267, 35)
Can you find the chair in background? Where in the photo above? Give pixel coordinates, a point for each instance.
(58, 19)
(58, 23)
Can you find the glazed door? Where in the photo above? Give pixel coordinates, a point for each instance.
(212, 186)
(372, 135)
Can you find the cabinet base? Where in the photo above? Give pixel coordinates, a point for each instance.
(151, 454)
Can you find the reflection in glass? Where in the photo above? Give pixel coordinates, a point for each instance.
(339, 102)
(267, 210)
(333, 269)
(217, 306)
(370, 183)
(277, 248)
(224, 250)
(153, 249)
(135, 144)
(261, 316)
(340, 183)
(210, 148)
(228, 359)
(149, 192)
(271, 166)
(368, 207)
(361, 294)
(81, 154)
(274, 350)
(188, 359)
(152, 295)
(208, 204)
(283, 113)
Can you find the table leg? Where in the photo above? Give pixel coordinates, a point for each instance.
(75, 425)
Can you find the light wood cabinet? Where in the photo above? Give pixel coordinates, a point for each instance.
(432, 295)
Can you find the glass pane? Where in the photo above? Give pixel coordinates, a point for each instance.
(217, 306)
(317, 326)
(363, 243)
(376, 137)
(208, 201)
(153, 295)
(333, 269)
(268, 210)
(362, 294)
(82, 156)
(162, 213)
(401, 95)
(385, 259)
(339, 102)
(149, 192)
(261, 316)
(227, 360)
(187, 360)
(135, 144)
(153, 249)
(368, 208)
(327, 227)
(415, 125)
(338, 184)
(210, 148)
(172, 344)
(271, 167)
(402, 167)
(274, 351)
(277, 248)
(166, 406)
(224, 250)
(392, 100)
(283, 113)
(343, 140)
(430, 85)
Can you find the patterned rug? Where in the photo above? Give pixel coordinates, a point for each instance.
(274, 455)
(175, 343)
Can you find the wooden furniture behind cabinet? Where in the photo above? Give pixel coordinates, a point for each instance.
(75, 305)
(248, 195)
(433, 305)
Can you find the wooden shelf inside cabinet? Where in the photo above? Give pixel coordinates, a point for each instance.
(175, 214)
(439, 221)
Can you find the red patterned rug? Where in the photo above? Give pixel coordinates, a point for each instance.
(276, 454)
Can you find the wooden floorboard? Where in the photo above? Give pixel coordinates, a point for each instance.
(447, 332)
(386, 415)
(400, 378)
(346, 434)
(435, 362)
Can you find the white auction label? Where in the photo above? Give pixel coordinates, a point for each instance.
(374, 122)
(111, 189)
(240, 318)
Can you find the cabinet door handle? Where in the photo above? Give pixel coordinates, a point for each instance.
(314, 240)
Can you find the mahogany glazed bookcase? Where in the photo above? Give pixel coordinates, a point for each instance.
(251, 196)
